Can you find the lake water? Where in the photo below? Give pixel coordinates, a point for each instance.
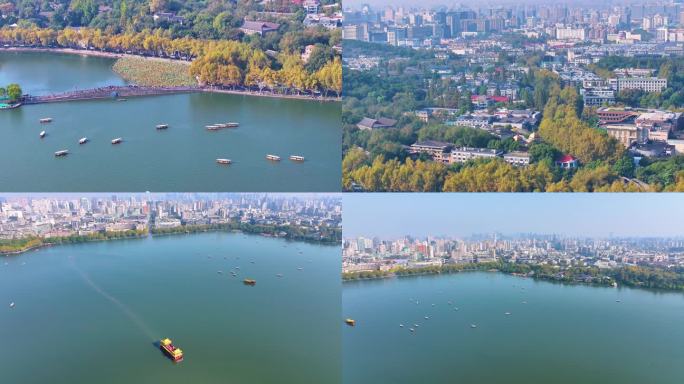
(181, 158)
(90, 313)
(562, 334)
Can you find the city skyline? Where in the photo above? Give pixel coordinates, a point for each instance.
(460, 215)
(442, 3)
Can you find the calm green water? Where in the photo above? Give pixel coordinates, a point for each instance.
(42, 73)
(564, 334)
(181, 158)
(90, 313)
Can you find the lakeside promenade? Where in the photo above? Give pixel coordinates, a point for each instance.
(133, 90)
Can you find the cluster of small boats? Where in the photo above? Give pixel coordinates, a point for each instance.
(82, 140)
(212, 127)
(270, 157)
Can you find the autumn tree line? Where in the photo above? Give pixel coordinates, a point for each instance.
(226, 63)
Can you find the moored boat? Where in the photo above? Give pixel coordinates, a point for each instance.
(45, 120)
(118, 140)
(224, 161)
(350, 322)
(212, 127)
(83, 140)
(273, 157)
(162, 126)
(42, 134)
(249, 282)
(296, 158)
(173, 352)
(231, 125)
(61, 153)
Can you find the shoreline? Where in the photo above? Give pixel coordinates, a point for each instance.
(534, 278)
(152, 235)
(200, 88)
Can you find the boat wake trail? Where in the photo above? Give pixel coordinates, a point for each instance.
(135, 319)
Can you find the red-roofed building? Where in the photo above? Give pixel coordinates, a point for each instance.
(567, 162)
(483, 101)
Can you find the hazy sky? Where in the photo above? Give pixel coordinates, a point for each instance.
(379, 4)
(393, 215)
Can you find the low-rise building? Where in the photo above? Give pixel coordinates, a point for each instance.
(464, 154)
(258, 27)
(439, 151)
(369, 124)
(646, 84)
(567, 162)
(598, 96)
(627, 134)
(517, 158)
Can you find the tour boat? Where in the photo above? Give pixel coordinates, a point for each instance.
(83, 140)
(273, 157)
(249, 282)
(45, 120)
(118, 140)
(162, 126)
(223, 161)
(350, 322)
(63, 152)
(42, 134)
(296, 158)
(173, 352)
